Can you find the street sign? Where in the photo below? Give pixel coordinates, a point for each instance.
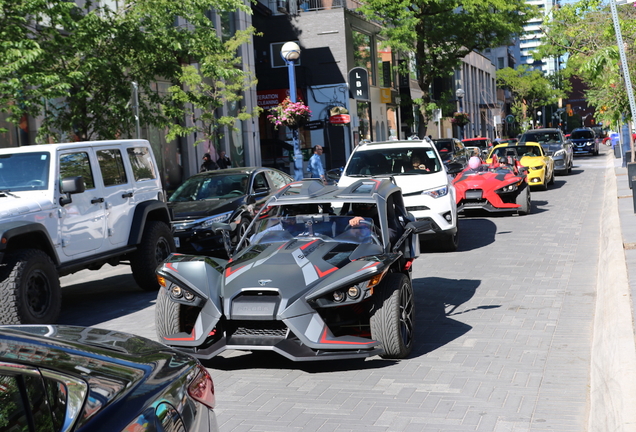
(510, 118)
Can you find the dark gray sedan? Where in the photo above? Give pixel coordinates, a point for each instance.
(554, 145)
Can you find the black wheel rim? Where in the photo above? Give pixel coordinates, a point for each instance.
(406, 315)
(162, 250)
(38, 294)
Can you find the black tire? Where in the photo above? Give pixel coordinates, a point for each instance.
(241, 229)
(29, 288)
(156, 245)
(524, 200)
(167, 315)
(551, 178)
(393, 318)
(448, 242)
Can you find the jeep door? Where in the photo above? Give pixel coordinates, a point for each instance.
(82, 221)
(118, 193)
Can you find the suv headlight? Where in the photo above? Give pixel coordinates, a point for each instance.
(207, 222)
(559, 153)
(437, 193)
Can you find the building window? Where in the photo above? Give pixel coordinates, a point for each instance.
(362, 54)
(500, 63)
(277, 60)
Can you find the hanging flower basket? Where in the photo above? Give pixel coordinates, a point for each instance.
(460, 119)
(290, 114)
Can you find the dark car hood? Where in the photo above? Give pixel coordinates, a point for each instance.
(192, 210)
(295, 267)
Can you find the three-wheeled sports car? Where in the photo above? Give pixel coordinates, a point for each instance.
(501, 186)
(323, 272)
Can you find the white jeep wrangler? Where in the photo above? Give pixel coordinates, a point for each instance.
(75, 206)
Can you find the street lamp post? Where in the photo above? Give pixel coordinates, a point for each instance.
(460, 96)
(290, 52)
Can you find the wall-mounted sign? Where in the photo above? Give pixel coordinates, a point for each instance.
(340, 119)
(385, 95)
(314, 125)
(359, 83)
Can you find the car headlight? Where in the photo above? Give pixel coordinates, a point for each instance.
(509, 188)
(437, 193)
(538, 167)
(559, 153)
(207, 222)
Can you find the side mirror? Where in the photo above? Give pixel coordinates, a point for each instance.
(69, 186)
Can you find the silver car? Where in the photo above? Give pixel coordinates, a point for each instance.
(555, 145)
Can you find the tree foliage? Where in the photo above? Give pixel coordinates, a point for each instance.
(442, 32)
(584, 32)
(75, 66)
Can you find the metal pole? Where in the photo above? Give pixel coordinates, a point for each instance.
(624, 66)
(298, 156)
(136, 108)
(461, 110)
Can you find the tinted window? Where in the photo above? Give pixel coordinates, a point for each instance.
(541, 137)
(14, 414)
(24, 171)
(582, 134)
(77, 164)
(260, 182)
(142, 165)
(112, 167)
(394, 160)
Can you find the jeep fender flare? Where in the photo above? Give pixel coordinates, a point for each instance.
(29, 235)
(147, 210)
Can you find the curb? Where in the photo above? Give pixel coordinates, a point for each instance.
(613, 356)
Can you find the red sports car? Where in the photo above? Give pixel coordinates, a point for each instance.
(497, 187)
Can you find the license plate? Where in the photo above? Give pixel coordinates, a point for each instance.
(473, 194)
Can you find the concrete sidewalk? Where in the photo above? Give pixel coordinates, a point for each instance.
(613, 368)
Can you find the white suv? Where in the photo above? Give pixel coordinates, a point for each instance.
(418, 170)
(75, 206)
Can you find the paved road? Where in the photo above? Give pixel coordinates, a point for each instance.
(503, 334)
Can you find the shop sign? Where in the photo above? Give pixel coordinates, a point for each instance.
(359, 83)
(340, 119)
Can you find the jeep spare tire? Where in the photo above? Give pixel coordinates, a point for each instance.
(29, 288)
(156, 245)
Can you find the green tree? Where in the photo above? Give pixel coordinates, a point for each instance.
(584, 32)
(530, 90)
(83, 62)
(439, 33)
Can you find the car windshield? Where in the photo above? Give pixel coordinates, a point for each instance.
(516, 151)
(445, 148)
(325, 227)
(24, 171)
(541, 137)
(481, 143)
(582, 134)
(211, 187)
(394, 160)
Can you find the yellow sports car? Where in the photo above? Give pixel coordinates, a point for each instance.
(530, 155)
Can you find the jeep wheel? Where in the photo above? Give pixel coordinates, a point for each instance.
(156, 245)
(392, 321)
(29, 289)
(167, 315)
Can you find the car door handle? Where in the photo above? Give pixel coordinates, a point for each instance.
(127, 195)
(97, 200)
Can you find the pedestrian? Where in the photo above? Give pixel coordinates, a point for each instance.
(223, 161)
(315, 165)
(208, 164)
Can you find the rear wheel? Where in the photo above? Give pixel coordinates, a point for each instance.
(392, 321)
(524, 200)
(30, 288)
(156, 245)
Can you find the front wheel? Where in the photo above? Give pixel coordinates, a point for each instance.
(524, 200)
(156, 245)
(167, 315)
(30, 288)
(393, 317)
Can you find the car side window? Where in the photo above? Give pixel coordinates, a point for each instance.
(111, 165)
(77, 164)
(260, 182)
(16, 416)
(276, 179)
(142, 165)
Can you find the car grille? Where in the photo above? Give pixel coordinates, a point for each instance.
(263, 328)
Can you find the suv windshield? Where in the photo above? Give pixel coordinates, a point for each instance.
(541, 137)
(211, 187)
(582, 134)
(394, 160)
(24, 171)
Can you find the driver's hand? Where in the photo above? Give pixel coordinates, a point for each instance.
(355, 221)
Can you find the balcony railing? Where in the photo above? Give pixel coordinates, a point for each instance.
(294, 7)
